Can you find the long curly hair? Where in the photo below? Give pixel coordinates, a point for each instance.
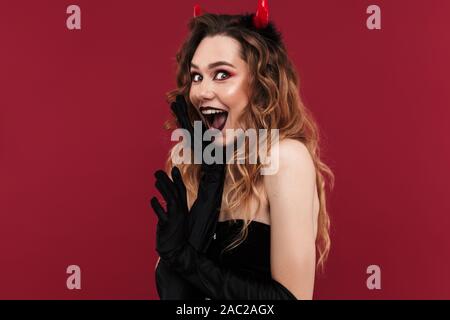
(274, 103)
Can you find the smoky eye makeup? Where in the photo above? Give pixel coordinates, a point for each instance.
(223, 72)
(219, 75)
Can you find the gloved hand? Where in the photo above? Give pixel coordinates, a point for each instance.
(212, 280)
(171, 230)
(206, 209)
(180, 109)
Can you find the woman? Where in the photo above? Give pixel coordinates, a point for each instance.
(246, 235)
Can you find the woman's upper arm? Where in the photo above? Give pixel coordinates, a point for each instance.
(291, 193)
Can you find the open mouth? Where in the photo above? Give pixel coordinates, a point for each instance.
(215, 118)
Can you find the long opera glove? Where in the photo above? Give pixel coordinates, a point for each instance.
(171, 286)
(220, 283)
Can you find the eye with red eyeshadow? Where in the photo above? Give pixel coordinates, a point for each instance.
(227, 75)
(220, 76)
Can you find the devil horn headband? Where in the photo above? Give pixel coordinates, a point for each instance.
(260, 19)
(197, 11)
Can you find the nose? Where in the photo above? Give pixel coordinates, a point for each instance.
(206, 90)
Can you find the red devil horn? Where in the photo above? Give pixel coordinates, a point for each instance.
(197, 11)
(261, 18)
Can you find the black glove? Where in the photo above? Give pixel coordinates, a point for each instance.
(219, 283)
(206, 209)
(180, 109)
(212, 280)
(171, 286)
(171, 233)
(171, 230)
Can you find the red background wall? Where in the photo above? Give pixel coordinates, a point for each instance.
(81, 115)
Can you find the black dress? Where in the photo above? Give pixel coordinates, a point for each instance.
(250, 256)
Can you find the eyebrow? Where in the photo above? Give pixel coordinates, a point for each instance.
(215, 64)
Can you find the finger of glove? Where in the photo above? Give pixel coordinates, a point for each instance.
(181, 102)
(159, 211)
(178, 180)
(183, 121)
(166, 185)
(183, 115)
(176, 110)
(167, 195)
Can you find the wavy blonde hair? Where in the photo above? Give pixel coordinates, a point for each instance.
(275, 103)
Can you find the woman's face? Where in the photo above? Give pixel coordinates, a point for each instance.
(220, 83)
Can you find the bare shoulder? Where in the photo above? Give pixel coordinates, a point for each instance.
(295, 156)
(296, 170)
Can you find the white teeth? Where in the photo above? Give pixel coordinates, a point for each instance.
(212, 111)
